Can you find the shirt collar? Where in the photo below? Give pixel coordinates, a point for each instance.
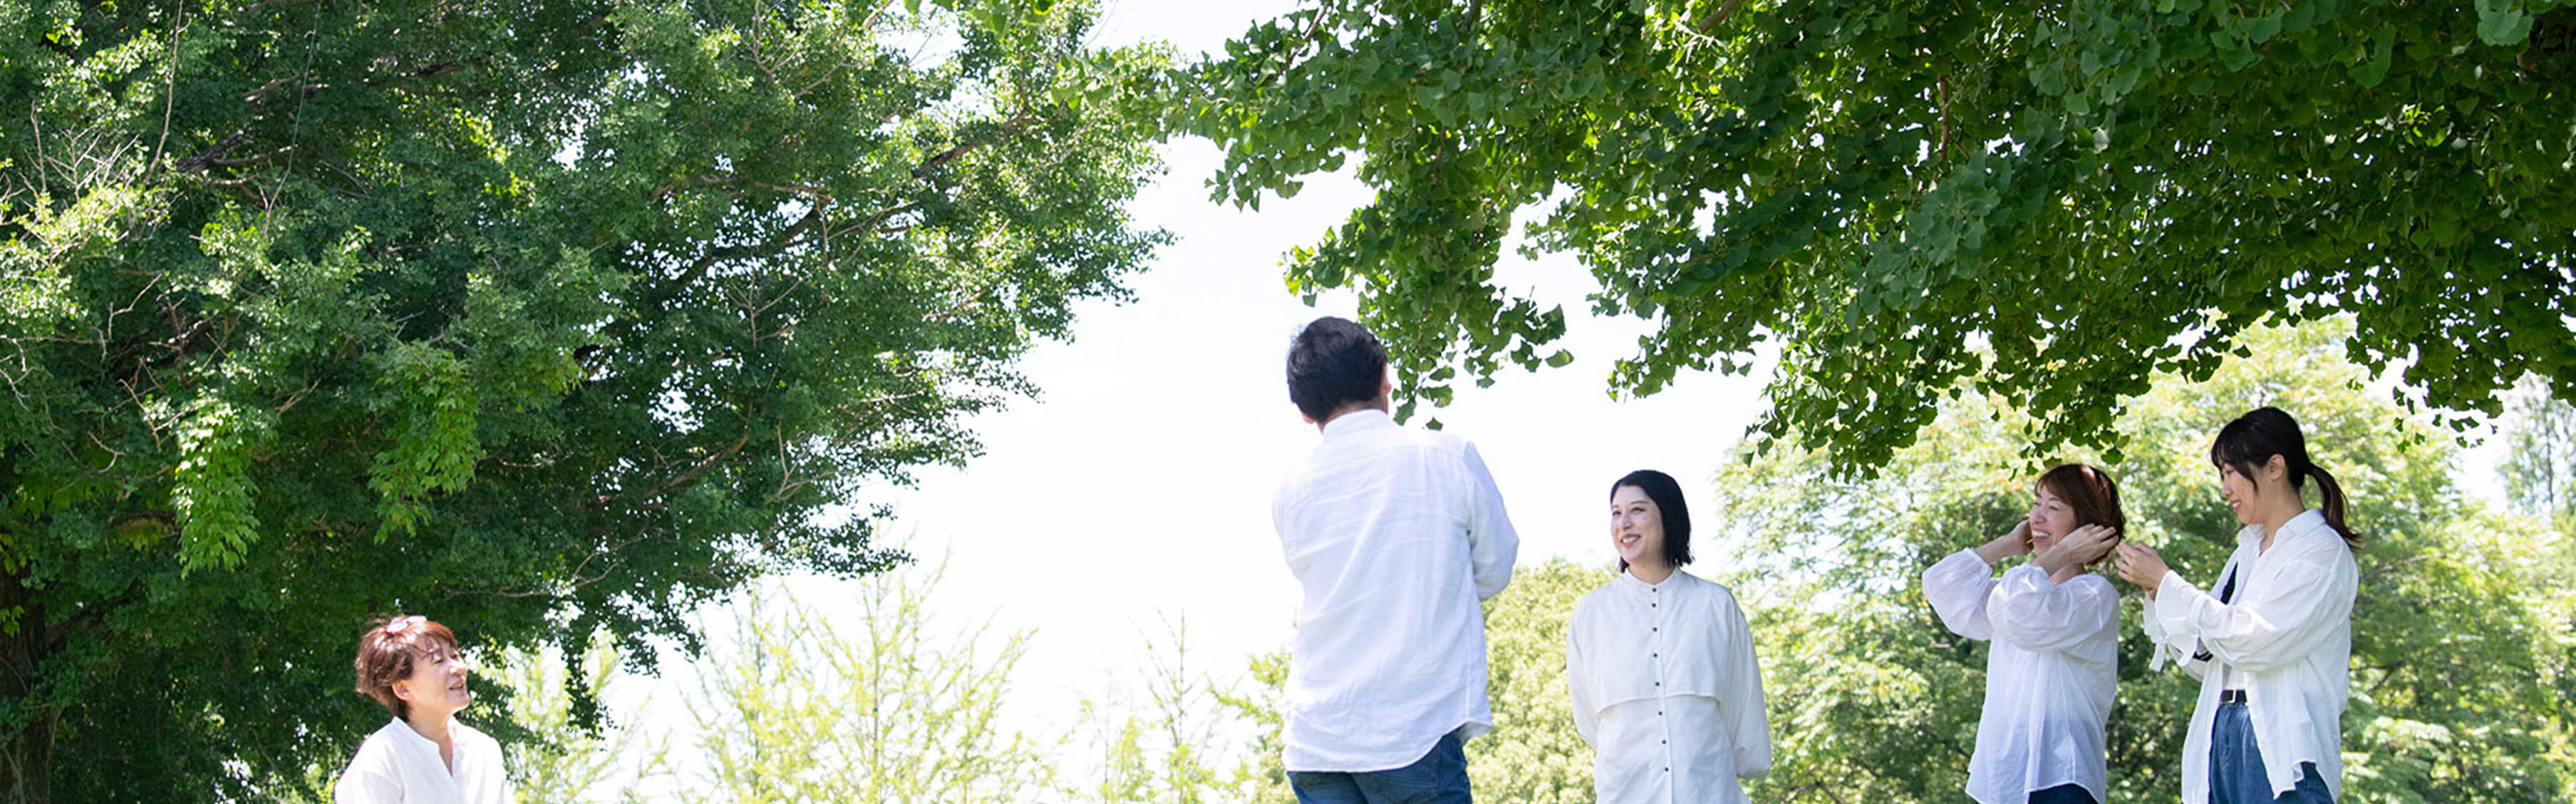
(1359, 420)
(2307, 522)
(1631, 582)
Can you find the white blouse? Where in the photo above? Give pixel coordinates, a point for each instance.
(398, 766)
(2051, 673)
(1667, 691)
(2285, 635)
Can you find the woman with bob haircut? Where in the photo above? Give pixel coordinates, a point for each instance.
(2054, 665)
(2273, 648)
(1666, 687)
(425, 756)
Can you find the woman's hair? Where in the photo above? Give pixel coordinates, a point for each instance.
(2088, 492)
(2252, 439)
(386, 652)
(1675, 514)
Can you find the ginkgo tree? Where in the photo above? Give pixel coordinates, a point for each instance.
(2048, 201)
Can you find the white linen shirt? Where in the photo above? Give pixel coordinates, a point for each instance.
(2051, 672)
(2288, 638)
(398, 766)
(1667, 690)
(1394, 534)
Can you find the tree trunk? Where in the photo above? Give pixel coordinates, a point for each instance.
(27, 760)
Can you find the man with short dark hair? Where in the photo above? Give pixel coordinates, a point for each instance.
(1394, 533)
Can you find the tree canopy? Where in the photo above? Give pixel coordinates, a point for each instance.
(2051, 202)
(539, 318)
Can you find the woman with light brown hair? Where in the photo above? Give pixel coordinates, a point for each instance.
(2054, 628)
(425, 756)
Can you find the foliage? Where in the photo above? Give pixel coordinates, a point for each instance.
(2050, 203)
(2540, 460)
(541, 318)
(876, 707)
(572, 753)
(1169, 749)
(2460, 652)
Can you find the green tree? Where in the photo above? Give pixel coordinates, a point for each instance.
(2051, 203)
(2540, 459)
(878, 707)
(573, 753)
(1167, 748)
(540, 318)
(2460, 644)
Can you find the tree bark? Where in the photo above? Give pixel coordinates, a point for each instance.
(27, 759)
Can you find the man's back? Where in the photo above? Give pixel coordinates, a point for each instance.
(1394, 535)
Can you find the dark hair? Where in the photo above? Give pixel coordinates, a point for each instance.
(2088, 492)
(2252, 439)
(1675, 514)
(1334, 362)
(386, 652)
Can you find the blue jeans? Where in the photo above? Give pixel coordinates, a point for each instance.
(2063, 794)
(1439, 777)
(2236, 766)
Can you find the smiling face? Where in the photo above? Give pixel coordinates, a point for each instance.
(2051, 518)
(2238, 488)
(1636, 527)
(436, 686)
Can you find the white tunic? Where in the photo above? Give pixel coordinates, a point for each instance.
(2051, 673)
(2285, 635)
(398, 766)
(1393, 533)
(1667, 691)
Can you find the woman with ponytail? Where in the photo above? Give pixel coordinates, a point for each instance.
(2273, 645)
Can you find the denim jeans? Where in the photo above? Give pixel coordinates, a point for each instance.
(2236, 766)
(1439, 777)
(2063, 794)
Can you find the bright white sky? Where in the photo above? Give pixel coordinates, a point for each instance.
(1138, 486)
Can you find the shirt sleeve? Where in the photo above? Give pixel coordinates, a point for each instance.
(1492, 545)
(1748, 721)
(2274, 623)
(2163, 646)
(1578, 683)
(1957, 587)
(2033, 612)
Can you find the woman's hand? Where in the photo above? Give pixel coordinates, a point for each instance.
(2086, 545)
(2140, 565)
(2008, 545)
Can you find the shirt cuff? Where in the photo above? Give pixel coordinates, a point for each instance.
(2173, 604)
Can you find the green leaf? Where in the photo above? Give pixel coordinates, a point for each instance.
(2503, 27)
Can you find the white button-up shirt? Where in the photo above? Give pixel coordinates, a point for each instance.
(2051, 672)
(398, 766)
(1394, 533)
(2287, 637)
(1667, 691)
